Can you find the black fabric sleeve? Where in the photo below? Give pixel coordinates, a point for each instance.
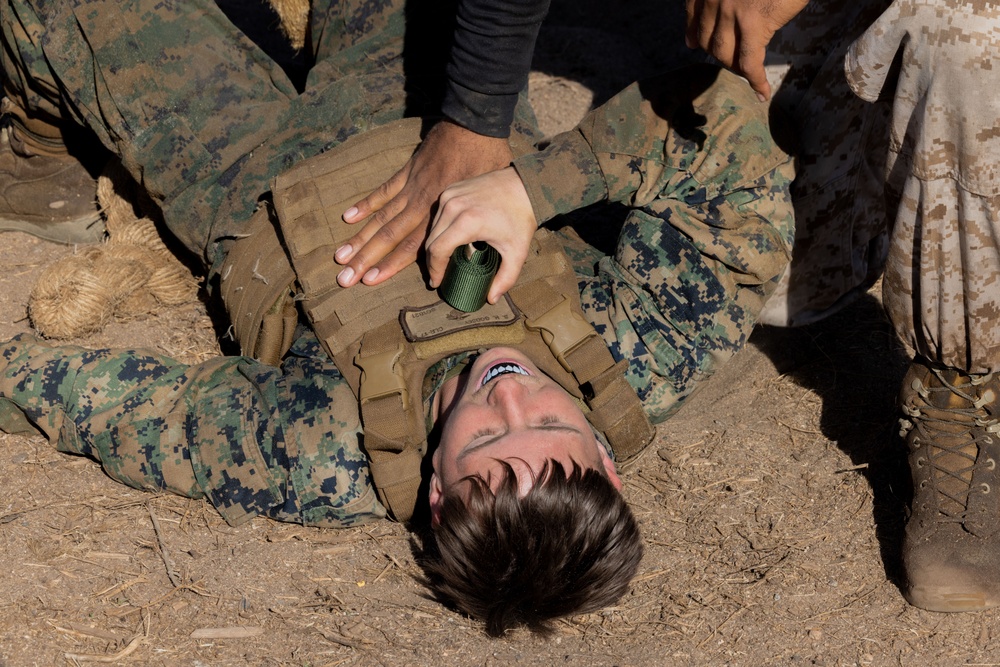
(490, 60)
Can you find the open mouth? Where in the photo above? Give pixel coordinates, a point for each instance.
(503, 368)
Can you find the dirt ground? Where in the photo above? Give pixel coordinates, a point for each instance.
(771, 505)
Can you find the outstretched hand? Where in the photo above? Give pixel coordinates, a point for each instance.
(493, 208)
(737, 32)
(398, 213)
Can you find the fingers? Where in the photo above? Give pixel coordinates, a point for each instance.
(737, 32)
(386, 229)
(445, 236)
(750, 63)
(700, 23)
(493, 208)
(399, 212)
(510, 268)
(404, 254)
(377, 199)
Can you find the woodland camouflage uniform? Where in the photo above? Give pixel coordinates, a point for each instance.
(706, 236)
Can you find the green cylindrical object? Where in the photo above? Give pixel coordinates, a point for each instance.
(469, 275)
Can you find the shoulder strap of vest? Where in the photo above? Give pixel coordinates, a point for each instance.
(615, 409)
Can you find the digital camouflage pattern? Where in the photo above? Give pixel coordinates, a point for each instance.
(708, 229)
(201, 116)
(203, 120)
(253, 439)
(897, 169)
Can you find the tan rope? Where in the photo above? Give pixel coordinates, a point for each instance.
(294, 15)
(131, 274)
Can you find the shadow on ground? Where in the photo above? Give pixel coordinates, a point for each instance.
(854, 363)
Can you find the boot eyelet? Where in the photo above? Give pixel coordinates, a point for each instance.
(991, 464)
(985, 487)
(920, 462)
(923, 484)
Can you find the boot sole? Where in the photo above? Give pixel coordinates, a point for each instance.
(83, 231)
(942, 599)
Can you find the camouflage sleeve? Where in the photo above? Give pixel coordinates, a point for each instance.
(708, 230)
(251, 438)
(651, 141)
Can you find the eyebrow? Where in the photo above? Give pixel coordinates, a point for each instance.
(565, 428)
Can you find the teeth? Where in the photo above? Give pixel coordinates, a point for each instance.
(502, 369)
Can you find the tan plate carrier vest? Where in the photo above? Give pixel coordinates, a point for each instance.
(384, 338)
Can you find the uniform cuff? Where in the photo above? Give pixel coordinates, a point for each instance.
(488, 115)
(563, 177)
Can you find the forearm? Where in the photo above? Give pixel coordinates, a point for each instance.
(135, 412)
(658, 139)
(489, 63)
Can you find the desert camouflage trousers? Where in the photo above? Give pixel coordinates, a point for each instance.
(899, 169)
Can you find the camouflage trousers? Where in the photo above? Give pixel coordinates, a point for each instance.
(198, 113)
(898, 169)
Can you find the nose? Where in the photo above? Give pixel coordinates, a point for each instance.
(510, 398)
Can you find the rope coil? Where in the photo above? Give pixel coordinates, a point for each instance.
(131, 274)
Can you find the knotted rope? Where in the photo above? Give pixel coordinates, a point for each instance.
(131, 274)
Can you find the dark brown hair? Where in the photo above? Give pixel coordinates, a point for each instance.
(569, 546)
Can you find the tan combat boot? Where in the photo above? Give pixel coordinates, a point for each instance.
(45, 191)
(951, 551)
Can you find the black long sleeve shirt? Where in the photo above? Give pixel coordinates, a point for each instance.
(489, 62)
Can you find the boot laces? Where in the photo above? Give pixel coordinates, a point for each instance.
(936, 430)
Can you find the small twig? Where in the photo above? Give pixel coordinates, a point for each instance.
(114, 657)
(81, 630)
(388, 566)
(164, 554)
(337, 639)
(234, 632)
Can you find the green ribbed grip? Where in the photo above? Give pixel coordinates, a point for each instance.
(468, 276)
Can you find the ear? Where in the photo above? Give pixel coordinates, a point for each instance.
(436, 495)
(609, 468)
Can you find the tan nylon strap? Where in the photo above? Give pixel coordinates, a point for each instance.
(615, 408)
(576, 344)
(399, 477)
(385, 402)
(390, 420)
(617, 411)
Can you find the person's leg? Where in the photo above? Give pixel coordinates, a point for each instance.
(841, 223)
(942, 284)
(47, 188)
(173, 89)
(48, 183)
(250, 438)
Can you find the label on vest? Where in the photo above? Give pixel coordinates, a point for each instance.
(440, 319)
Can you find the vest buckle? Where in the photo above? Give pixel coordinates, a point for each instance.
(378, 376)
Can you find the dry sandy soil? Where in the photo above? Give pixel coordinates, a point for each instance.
(772, 508)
